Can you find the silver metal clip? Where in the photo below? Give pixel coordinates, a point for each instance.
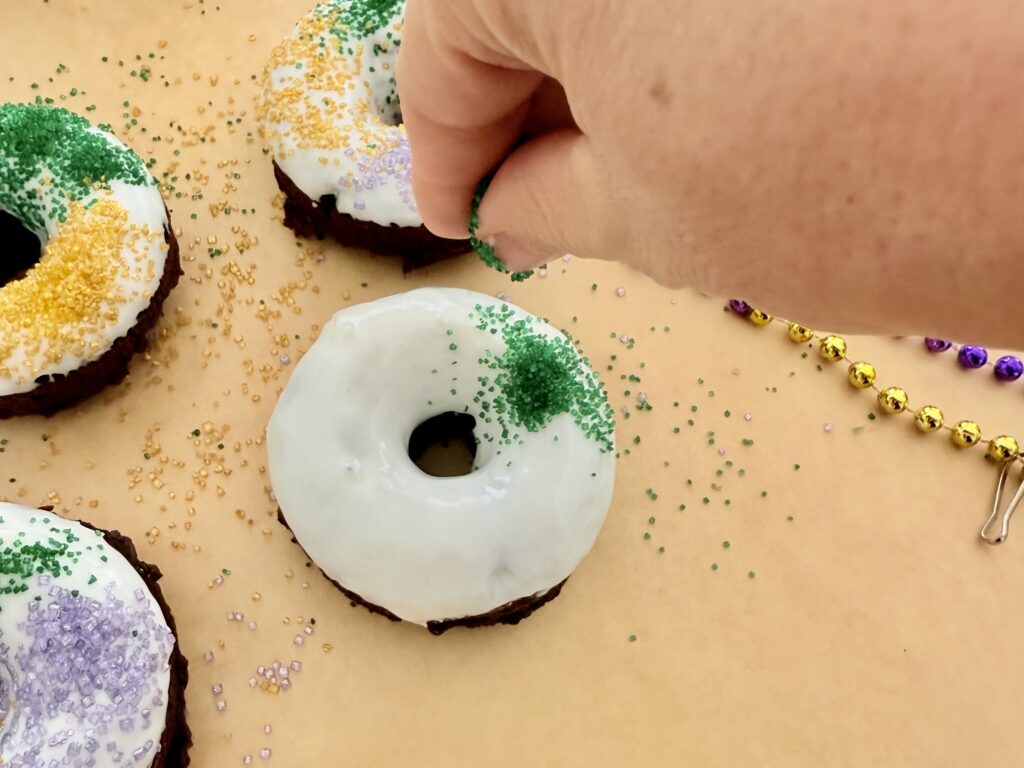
(1004, 526)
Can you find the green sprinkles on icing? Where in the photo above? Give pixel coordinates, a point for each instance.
(357, 19)
(536, 378)
(58, 147)
(485, 250)
(20, 562)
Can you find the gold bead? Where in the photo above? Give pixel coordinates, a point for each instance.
(1003, 448)
(893, 399)
(759, 317)
(800, 333)
(966, 434)
(862, 375)
(929, 418)
(833, 348)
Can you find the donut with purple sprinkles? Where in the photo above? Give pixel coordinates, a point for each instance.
(91, 675)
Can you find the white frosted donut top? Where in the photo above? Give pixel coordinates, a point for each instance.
(84, 649)
(429, 548)
(100, 219)
(329, 110)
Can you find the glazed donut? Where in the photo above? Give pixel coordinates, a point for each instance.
(90, 670)
(330, 112)
(77, 201)
(485, 547)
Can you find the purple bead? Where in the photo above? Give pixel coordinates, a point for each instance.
(971, 356)
(1009, 368)
(740, 307)
(937, 345)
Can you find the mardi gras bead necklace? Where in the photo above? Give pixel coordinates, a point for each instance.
(1004, 450)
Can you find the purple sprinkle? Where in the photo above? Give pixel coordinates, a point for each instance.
(1009, 368)
(937, 345)
(971, 356)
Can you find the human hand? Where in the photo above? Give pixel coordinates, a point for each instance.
(859, 165)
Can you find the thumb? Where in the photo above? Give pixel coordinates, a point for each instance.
(548, 198)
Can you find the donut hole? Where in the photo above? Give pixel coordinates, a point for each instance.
(444, 445)
(20, 246)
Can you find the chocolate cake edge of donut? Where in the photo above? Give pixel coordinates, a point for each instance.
(176, 738)
(509, 613)
(417, 246)
(111, 367)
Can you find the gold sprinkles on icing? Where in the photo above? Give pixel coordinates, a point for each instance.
(65, 304)
(316, 97)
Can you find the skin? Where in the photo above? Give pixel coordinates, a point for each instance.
(856, 165)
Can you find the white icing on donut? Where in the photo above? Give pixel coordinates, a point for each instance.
(44, 725)
(329, 107)
(139, 260)
(428, 548)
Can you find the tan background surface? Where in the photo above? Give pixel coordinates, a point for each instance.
(876, 631)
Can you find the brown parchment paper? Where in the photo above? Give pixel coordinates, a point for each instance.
(853, 619)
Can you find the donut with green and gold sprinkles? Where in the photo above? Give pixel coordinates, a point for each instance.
(330, 111)
(92, 258)
(90, 670)
(483, 547)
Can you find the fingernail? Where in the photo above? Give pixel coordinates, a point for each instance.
(520, 254)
